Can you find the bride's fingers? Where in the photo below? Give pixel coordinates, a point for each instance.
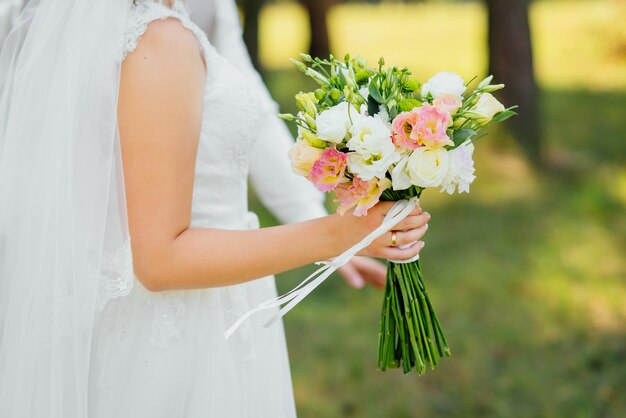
(412, 222)
(407, 237)
(397, 253)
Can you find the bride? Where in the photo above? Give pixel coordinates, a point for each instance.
(126, 244)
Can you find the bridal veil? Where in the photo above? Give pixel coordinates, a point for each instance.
(61, 198)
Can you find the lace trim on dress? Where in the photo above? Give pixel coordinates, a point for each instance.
(115, 276)
(169, 310)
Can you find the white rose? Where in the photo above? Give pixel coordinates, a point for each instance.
(460, 169)
(425, 167)
(486, 107)
(302, 157)
(374, 151)
(333, 124)
(444, 83)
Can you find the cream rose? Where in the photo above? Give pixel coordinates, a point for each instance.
(302, 157)
(425, 167)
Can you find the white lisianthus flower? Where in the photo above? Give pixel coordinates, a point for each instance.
(333, 124)
(485, 109)
(425, 167)
(460, 169)
(400, 179)
(383, 115)
(444, 83)
(302, 157)
(374, 151)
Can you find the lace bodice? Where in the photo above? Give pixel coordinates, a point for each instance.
(231, 117)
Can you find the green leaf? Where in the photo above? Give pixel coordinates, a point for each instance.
(372, 106)
(373, 89)
(462, 135)
(342, 78)
(502, 116)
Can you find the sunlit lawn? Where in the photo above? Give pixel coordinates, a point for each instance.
(528, 272)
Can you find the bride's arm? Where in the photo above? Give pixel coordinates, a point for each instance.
(160, 116)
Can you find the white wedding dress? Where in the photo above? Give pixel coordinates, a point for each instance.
(164, 355)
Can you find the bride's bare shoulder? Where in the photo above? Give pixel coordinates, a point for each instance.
(165, 67)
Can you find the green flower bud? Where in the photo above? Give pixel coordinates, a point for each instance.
(310, 121)
(484, 83)
(317, 76)
(320, 94)
(411, 85)
(312, 139)
(348, 93)
(335, 94)
(362, 76)
(458, 122)
(306, 103)
(299, 64)
(493, 87)
(287, 116)
(406, 105)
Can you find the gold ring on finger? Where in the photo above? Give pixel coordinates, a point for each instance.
(394, 238)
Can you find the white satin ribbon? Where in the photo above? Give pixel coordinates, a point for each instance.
(400, 210)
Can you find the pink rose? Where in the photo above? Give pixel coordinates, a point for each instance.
(360, 193)
(328, 171)
(402, 126)
(430, 128)
(448, 103)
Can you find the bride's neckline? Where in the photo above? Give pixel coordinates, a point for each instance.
(179, 6)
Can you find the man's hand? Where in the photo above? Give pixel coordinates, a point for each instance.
(360, 271)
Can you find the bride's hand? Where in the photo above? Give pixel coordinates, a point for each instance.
(408, 231)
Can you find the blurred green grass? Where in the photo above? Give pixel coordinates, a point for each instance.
(528, 272)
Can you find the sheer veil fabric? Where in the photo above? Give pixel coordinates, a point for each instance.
(79, 337)
(61, 198)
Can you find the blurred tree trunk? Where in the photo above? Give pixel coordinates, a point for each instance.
(318, 12)
(511, 63)
(251, 11)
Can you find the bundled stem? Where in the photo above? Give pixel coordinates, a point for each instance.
(411, 335)
(410, 329)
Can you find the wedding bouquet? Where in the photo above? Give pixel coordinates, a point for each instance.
(378, 134)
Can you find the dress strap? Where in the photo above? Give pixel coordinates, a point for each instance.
(145, 12)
